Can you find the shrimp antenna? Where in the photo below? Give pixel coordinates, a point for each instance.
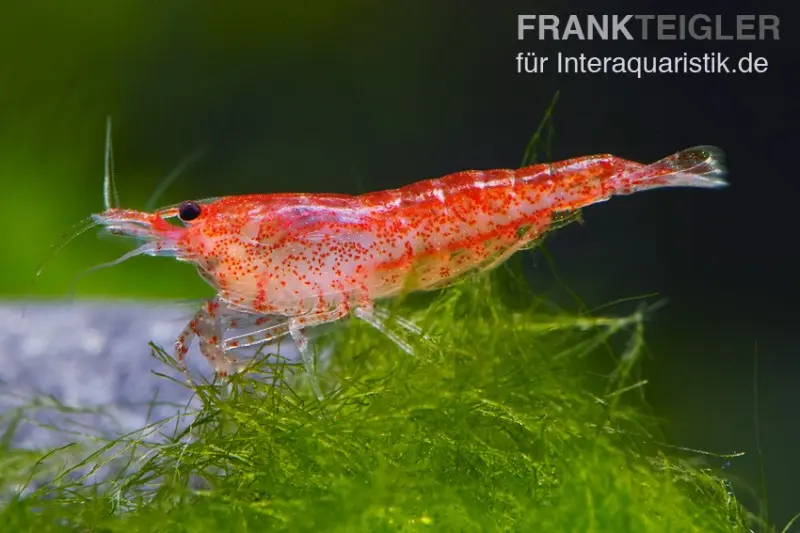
(133, 253)
(110, 199)
(80, 228)
(110, 195)
(172, 176)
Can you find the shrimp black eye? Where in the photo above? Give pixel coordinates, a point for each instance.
(189, 211)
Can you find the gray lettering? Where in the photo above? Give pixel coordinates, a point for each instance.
(666, 22)
(548, 23)
(704, 28)
(618, 26)
(719, 34)
(521, 26)
(573, 27)
(745, 27)
(645, 20)
(769, 22)
(598, 28)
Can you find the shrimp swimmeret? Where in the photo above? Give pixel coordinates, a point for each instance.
(282, 263)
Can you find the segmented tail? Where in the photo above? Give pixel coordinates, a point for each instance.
(700, 166)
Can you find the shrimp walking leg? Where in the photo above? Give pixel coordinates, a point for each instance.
(404, 323)
(259, 336)
(297, 326)
(367, 313)
(187, 336)
(206, 325)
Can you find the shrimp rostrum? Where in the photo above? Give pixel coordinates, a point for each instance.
(283, 263)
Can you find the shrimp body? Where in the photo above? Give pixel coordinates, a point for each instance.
(298, 260)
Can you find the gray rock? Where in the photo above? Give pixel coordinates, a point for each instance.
(92, 356)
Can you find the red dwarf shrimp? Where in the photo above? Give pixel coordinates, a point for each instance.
(283, 263)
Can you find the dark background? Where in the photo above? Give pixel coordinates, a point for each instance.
(355, 95)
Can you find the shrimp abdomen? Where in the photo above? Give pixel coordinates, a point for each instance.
(474, 220)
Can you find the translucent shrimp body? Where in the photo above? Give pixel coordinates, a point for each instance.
(281, 263)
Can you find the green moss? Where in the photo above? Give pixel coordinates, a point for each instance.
(511, 417)
(498, 424)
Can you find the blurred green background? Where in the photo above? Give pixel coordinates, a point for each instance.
(352, 95)
(279, 96)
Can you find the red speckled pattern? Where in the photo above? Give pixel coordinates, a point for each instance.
(298, 254)
(314, 258)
